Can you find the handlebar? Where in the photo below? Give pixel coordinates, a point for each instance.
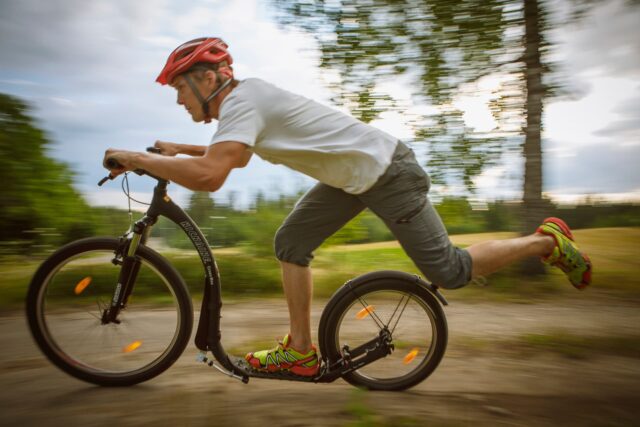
(112, 163)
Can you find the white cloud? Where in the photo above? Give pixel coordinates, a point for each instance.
(577, 123)
(606, 42)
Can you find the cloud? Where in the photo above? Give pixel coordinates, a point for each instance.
(589, 120)
(72, 34)
(589, 170)
(626, 128)
(606, 41)
(568, 170)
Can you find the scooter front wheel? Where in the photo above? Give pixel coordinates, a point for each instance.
(67, 308)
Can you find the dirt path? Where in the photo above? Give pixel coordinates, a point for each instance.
(492, 386)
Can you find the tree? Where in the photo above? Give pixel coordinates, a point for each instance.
(201, 207)
(438, 44)
(533, 206)
(444, 45)
(37, 197)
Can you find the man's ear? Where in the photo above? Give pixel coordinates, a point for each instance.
(211, 78)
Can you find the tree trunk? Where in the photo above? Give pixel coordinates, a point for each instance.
(533, 206)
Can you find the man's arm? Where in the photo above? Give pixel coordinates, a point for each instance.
(204, 173)
(172, 149)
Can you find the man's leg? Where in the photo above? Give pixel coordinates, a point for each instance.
(400, 199)
(553, 241)
(492, 255)
(425, 240)
(298, 288)
(321, 212)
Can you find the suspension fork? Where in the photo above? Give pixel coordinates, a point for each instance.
(130, 267)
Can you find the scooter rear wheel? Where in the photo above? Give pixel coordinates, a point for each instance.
(407, 310)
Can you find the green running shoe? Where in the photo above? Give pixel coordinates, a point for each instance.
(284, 358)
(566, 255)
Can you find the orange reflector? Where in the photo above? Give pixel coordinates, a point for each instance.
(412, 355)
(131, 347)
(82, 285)
(365, 312)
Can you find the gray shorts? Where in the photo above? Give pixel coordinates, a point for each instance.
(399, 198)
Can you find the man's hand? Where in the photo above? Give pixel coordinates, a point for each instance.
(167, 148)
(124, 158)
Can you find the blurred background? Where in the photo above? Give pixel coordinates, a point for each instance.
(518, 110)
(498, 116)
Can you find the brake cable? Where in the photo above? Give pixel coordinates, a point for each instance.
(127, 192)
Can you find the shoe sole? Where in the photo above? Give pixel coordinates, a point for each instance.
(296, 370)
(287, 371)
(586, 276)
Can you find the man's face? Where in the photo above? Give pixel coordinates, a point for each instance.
(188, 99)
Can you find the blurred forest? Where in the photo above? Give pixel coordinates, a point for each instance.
(41, 209)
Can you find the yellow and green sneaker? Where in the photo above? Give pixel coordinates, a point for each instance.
(285, 359)
(566, 255)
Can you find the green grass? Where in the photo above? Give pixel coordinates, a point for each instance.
(558, 342)
(363, 415)
(576, 346)
(334, 266)
(613, 252)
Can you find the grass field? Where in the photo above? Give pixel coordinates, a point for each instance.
(613, 252)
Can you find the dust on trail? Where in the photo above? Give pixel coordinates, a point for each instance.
(492, 387)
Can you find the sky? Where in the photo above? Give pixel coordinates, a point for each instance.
(88, 69)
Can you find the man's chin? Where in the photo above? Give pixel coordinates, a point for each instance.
(196, 118)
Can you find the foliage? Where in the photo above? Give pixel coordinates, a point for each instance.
(241, 274)
(444, 48)
(40, 207)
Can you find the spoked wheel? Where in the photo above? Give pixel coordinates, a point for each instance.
(66, 305)
(398, 308)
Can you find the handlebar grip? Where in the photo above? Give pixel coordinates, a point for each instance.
(112, 163)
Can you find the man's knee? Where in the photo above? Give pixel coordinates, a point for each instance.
(289, 248)
(451, 272)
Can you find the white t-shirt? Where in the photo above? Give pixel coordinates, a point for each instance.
(289, 129)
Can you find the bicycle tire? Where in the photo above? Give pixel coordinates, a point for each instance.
(374, 289)
(47, 308)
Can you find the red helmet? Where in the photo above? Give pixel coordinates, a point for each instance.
(205, 49)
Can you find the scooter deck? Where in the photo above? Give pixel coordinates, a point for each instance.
(283, 375)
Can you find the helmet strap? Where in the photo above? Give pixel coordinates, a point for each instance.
(203, 101)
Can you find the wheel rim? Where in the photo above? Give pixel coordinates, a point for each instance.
(70, 305)
(411, 323)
